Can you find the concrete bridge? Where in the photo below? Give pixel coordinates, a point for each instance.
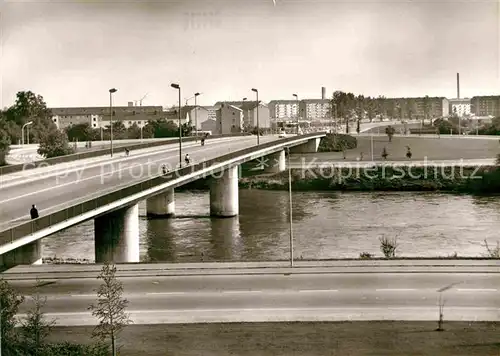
(109, 193)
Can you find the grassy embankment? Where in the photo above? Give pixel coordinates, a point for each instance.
(485, 179)
(389, 338)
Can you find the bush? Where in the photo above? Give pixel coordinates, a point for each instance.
(68, 349)
(337, 143)
(444, 127)
(388, 246)
(55, 144)
(365, 256)
(493, 252)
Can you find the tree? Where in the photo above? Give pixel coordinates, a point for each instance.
(35, 328)
(134, 131)
(445, 127)
(162, 128)
(187, 129)
(81, 132)
(55, 144)
(389, 131)
(370, 108)
(4, 145)
(9, 307)
(28, 106)
(409, 108)
(426, 109)
(110, 308)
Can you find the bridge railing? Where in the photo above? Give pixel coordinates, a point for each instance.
(102, 152)
(44, 222)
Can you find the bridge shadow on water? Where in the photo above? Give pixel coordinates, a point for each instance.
(192, 238)
(144, 217)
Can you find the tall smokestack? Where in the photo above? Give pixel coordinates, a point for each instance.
(458, 85)
(323, 93)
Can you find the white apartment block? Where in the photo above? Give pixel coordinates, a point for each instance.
(462, 107)
(284, 109)
(313, 109)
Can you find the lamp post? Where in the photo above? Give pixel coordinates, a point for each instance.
(111, 92)
(297, 104)
(335, 118)
(290, 206)
(178, 87)
(141, 127)
(22, 131)
(196, 115)
(258, 126)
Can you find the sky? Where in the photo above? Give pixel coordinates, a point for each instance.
(72, 52)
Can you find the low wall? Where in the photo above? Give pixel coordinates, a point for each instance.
(96, 153)
(15, 233)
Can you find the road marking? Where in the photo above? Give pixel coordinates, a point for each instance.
(84, 295)
(211, 292)
(26, 217)
(242, 291)
(395, 290)
(317, 290)
(88, 178)
(77, 165)
(476, 290)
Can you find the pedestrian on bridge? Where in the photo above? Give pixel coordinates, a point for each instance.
(34, 212)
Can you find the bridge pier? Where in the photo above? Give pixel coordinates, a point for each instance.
(161, 205)
(311, 146)
(29, 254)
(117, 236)
(224, 200)
(275, 162)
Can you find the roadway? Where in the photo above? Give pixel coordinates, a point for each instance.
(278, 294)
(70, 186)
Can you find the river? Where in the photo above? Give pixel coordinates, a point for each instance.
(326, 225)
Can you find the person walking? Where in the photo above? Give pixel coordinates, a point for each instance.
(34, 212)
(408, 152)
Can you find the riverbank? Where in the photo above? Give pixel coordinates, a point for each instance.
(455, 179)
(389, 338)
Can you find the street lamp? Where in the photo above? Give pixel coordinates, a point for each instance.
(196, 115)
(297, 111)
(22, 131)
(178, 87)
(141, 127)
(258, 126)
(290, 206)
(111, 92)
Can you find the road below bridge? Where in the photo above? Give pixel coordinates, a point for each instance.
(355, 290)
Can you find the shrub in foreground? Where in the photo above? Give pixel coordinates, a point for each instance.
(337, 143)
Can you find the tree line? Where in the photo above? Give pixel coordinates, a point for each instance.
(356, 107)
(53, 142)
(31, 338)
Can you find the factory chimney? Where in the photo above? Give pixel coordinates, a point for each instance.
(323, 93)
(458, 85)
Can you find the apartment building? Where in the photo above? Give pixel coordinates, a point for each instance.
(485, 105)
(98, 117)
(197, 115)
(460, 107)
(250, 110)
(315, 109)
(283, 109)
(229, 119)
(414, 108)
